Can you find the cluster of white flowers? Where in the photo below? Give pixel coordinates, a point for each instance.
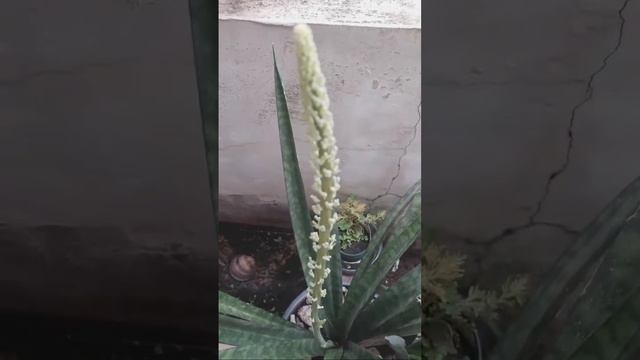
(325, 163)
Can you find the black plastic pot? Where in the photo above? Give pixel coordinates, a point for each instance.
(351, 260)
(483, 340)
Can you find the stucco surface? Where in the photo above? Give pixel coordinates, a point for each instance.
(531, 128)
(373, 79)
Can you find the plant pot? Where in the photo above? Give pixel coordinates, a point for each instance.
(351, 259)
(483, 340)
(301, 300)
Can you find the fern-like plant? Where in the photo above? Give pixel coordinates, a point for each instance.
(343, 326)
(353, 220)
(451, 317)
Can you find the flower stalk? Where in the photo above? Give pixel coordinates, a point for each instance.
(315, 102)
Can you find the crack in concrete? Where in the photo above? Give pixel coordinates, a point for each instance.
(487, 245)
(399, 163)
(588, 96)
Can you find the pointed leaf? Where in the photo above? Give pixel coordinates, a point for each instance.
(389, 304)
(415, 349)
(296, 196)
(354, 351)
(333, 354)
(235, 331)
(407, 323)
(229, 305)
(382, 233)
(402, 233)
(612, 339)
(573, 269)
(285, 350)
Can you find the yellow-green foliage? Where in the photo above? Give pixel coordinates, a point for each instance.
(352, 220)
(448, 314)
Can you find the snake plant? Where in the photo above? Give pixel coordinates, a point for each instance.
(343, 326)
(589, 307)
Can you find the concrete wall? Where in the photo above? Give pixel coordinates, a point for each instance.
(103, 181)
(531, 124)
(373, 78)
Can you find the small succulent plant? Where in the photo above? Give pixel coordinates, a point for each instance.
(353, 219)
(344, 326)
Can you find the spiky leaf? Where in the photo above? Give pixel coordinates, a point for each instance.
(296, 196)
(240, 332)
(229, 305)
(571, 297)
(391, 303)
(354, 351)
(401, 233)
(285, 350)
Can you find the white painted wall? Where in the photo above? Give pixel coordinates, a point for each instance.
(373, 77)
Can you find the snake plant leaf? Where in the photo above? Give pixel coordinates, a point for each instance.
(415, 349)
(204, 20)
(285, 350)
(298, 208)
(333, 353)
(354, 351)
(407, 323)
(229, 305)
(399, 347)
(401, 233)
(382, 233)
(602, 290)
(568, 299)
(392, 302)
(632, 352)
(239, 332)
(612, 339)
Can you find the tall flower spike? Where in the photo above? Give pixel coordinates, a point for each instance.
(315, 103)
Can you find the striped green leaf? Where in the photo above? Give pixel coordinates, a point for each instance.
(229, 305)
(354, 351)
(401, 233)
(391, 303)
(383, 231)
(298, 208)
(333, 354)
(612, 339)
(587, 285)
(235, 331)
(407, 323)
(280, 350)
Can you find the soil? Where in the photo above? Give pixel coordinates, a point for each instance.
(279, 277)
(356, 248)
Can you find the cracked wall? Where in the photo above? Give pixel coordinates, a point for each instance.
(553, 109)
(373, 79)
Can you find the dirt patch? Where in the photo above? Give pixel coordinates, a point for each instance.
(279, 277)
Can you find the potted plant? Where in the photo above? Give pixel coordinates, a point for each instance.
(355, 227)
(343, 326)
(453, 320)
